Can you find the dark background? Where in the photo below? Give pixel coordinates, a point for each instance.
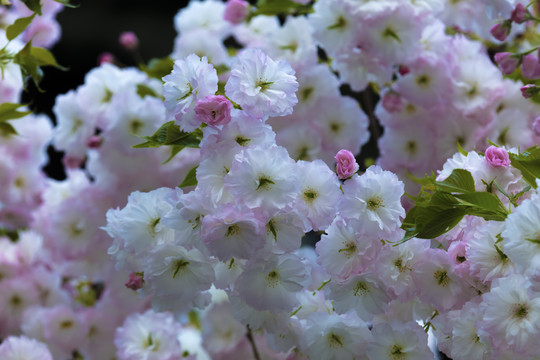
(92, 29)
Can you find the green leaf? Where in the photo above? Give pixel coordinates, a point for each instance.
(277, 7)
(528, 163)
(67, 3)
(144, 90)
(8, 111)
(170, 134)
(18, 26)
(484, 204)
(461, 150)
(460, 180)
(30, 59)
(175, 149)
(34, 5)
(190, 179)
(6, 129)
(44, 57)
(158, 68)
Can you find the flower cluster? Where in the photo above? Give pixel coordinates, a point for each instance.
(277, 243)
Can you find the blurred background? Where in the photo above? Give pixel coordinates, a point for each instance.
(92, 29)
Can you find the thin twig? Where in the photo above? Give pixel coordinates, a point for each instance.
(252, 342)
(373, 123)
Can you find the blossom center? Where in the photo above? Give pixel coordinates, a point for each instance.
(442, 277)
(374, 203)
(520, 311)
(178, 266)
(335, 341)
(264, 183)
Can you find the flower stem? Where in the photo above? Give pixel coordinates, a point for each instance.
(249, 335)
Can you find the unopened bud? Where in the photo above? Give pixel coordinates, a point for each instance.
(128, 40)
(529, 90)
(520, 14)
(501, 31)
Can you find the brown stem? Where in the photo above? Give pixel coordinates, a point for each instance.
(373, 124)
(252, 342)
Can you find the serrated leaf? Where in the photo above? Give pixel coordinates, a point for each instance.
(460, 181)
(158, 68)
(528, 163)
(170, 134)
(19, 26)
(484, 204)
(438, 223)
(190, 179)
(144, 90)
(157, 139)
(34, 5)
(8, 111)
(175, 136)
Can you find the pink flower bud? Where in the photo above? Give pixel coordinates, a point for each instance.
(530, 68)
(106, 58)
(497, 157)
(94, 142)
(236, 11)
(346, 164)
(529, 90)
(128, 40)
(213, 110)
(500, 31)
(392, 102)
(536, 126)
(520, 14)
(507, 62)
(135, 281)
(403, 70)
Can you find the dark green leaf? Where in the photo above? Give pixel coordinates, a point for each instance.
(8, 111)
(18, 26)
(34, 5)
(170, 134)
(190, 179)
